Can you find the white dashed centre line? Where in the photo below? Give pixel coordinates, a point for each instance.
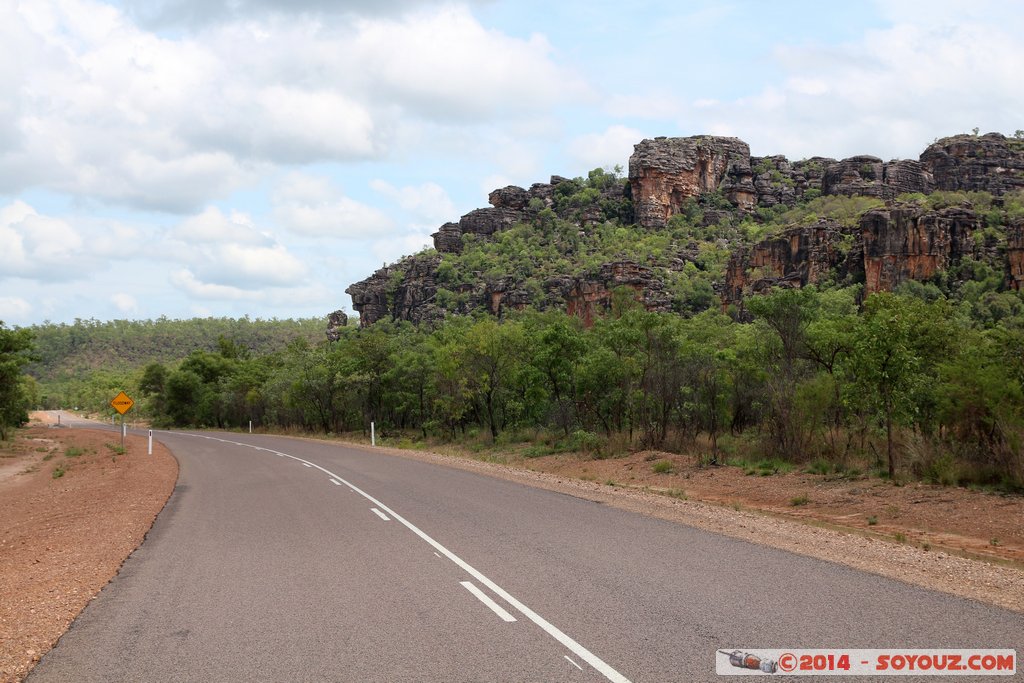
(335, 482)
(573, 663)
(486, 599)
(583, 653)
(380, 514)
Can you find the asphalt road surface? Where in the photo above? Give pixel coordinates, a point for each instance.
(279, 559)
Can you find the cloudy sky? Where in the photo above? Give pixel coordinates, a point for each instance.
(255, 157)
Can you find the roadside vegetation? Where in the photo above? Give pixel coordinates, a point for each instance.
(814, 382)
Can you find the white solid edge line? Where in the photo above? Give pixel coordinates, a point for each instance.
(573, 663)
(380, 514)
(583, 653)
(486, 599)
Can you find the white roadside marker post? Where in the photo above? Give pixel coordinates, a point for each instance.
(150, 442)
(373, 435)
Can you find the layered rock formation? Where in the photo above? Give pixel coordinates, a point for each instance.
(665, 172)
(797, 257)
(986, 163)
(890, 245)
(589, 297)
(903, 242)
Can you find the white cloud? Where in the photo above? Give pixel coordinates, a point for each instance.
(888, 92)
(213, 226)
(444, 64)
(99, 107)
(600, 150)
(36, 246)
(309, 205)
(14, 309)
(224, 253)
(126, 303)
(199, 12)
(427, 202)
(186, 280)
(237, 263)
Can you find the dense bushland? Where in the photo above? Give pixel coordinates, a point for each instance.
(904, 384)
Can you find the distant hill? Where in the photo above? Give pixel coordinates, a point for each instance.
(77, 354)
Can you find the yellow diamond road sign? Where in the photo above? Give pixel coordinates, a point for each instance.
(122, 403)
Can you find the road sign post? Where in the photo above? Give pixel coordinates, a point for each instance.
(122, 403)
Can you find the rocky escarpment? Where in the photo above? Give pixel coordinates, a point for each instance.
(903, 242)
(890, 245)
(408, 290)
(666, 172)
(798, 257)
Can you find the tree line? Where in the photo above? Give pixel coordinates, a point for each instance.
(904, 383)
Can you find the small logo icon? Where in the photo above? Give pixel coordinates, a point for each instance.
(745, 660)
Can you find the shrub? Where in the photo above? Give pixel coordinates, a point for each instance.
(587, 442)
(662, 467)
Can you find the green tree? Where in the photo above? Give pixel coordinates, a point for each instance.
(895, 349)
(16, 351)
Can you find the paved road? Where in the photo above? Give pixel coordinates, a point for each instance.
(287, 560)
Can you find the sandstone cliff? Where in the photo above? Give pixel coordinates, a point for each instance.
(665, 172)
(890, 245)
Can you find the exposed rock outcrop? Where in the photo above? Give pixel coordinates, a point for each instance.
(588, 297)
(795, 258)
(904, 242)
(989, 163)
(904, 176)
(860, 175)
(1015, 256)
(511, 205)
(891, 245)
(401, 291)
(665, 172)
(336, 322)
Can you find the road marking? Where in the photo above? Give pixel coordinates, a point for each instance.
(380, 514)
(583, 653)
(573, 663)
(335, 482)
(486, 599)
(436, 554)
(307, 464)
